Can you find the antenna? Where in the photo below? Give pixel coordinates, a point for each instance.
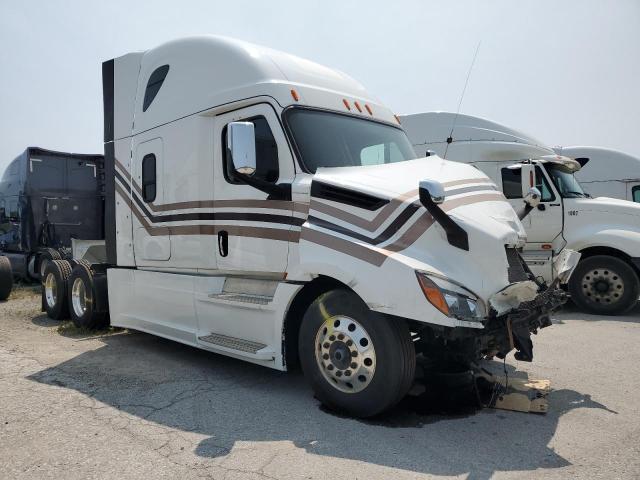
(455, 119)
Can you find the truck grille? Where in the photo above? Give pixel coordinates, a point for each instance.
(516, 270)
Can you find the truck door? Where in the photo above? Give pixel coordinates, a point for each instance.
(543, 224)
(253, 232)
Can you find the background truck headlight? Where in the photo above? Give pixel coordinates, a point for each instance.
(451, 298)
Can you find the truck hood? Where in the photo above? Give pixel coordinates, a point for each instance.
(606, 205)
(400, 230)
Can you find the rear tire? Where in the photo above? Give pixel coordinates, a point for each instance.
(45, 256)
(54, 289)
(356, 360)
(6, 278)
(604, 285)
(87, 297)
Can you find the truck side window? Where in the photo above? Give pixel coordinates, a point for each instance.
(153, 85)
(512, 186)
(149, 177)
(267, 167)
(635, 193)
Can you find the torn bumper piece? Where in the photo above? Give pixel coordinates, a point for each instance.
(513, 329)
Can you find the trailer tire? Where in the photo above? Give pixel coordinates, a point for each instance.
(356, 360)
(6, 278)
(604, 285)
(45, 256)
(87, 298)
(54, 289)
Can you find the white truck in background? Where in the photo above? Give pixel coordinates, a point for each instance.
(605, 231)
(606, 172)
(268, 208)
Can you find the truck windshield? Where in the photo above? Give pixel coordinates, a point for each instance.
(565, 182)
(326, 139)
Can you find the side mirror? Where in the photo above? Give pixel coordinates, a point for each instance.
(241, 142)
(528, 178)
(532, 198)
(433, 189)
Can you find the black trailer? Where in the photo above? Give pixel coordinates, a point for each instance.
(48, 198)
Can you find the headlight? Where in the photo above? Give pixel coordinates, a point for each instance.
(451, 298)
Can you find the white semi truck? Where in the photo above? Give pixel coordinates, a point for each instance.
(606, 172)
(605, 231)
(268, 208)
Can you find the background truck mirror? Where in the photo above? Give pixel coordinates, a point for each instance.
(241, 142)
(528, 178)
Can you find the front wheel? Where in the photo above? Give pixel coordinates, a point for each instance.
(356, 360)
(604, 285)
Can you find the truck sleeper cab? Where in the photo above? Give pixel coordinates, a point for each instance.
(268, 208)
(606, 231)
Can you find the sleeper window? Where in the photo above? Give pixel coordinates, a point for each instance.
(153, 85)
(267, 168)
(149, 178)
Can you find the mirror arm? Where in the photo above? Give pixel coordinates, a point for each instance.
(280, 191)
(526, 210)
(456, 235)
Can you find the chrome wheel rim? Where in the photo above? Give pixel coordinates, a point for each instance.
(602, 285)
(345, 354)
(50, 290)
(79, 297)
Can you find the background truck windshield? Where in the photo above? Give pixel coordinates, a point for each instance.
(327, 139)
(565, 182)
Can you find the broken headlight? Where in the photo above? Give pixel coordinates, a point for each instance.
(451, 298)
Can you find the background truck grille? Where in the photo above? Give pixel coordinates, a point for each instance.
(516, 270)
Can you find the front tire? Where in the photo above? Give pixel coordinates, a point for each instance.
(604, 285)
(356, 360)
(6, 278)
(54, 289)
(87, 297)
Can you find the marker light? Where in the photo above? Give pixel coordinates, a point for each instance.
(346, 104)
(295, 96)
(397, 119)
(357, 106)
(368, 108)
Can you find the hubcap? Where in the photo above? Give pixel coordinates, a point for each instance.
(50, 290)
(602, 286)
(79, 297)
(345, 354)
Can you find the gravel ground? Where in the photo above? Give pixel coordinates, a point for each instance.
(128, 405)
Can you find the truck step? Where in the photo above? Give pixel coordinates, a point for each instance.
(242, 298)
(236, 344)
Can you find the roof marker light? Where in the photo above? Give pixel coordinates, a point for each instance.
(397, 119)
(294, 94)
(346, 104)
(368, 108)
(357, 105)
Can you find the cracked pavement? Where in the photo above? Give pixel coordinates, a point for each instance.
(130, 405)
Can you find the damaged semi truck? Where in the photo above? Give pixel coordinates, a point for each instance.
(606, 231)
(47, 198)
(264, 207)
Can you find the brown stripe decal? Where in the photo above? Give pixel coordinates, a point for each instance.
(348, 247)
(233, 230)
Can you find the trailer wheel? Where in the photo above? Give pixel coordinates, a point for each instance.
(6, 278)
(604, 285)
(45, 256)
(87, 297)
(54, 289)
(356, 360)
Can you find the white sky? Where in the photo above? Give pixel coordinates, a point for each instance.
(566, 72)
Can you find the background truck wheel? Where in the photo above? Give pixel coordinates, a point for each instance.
(356, 360)
(54, 289)
(88, 297)
(604, 285)
(45, 256)
(6, 278)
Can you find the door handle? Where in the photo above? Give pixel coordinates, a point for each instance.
(223, 243)
(542, 207)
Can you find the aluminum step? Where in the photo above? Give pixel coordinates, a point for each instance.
(236, 344)
(242, 298)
